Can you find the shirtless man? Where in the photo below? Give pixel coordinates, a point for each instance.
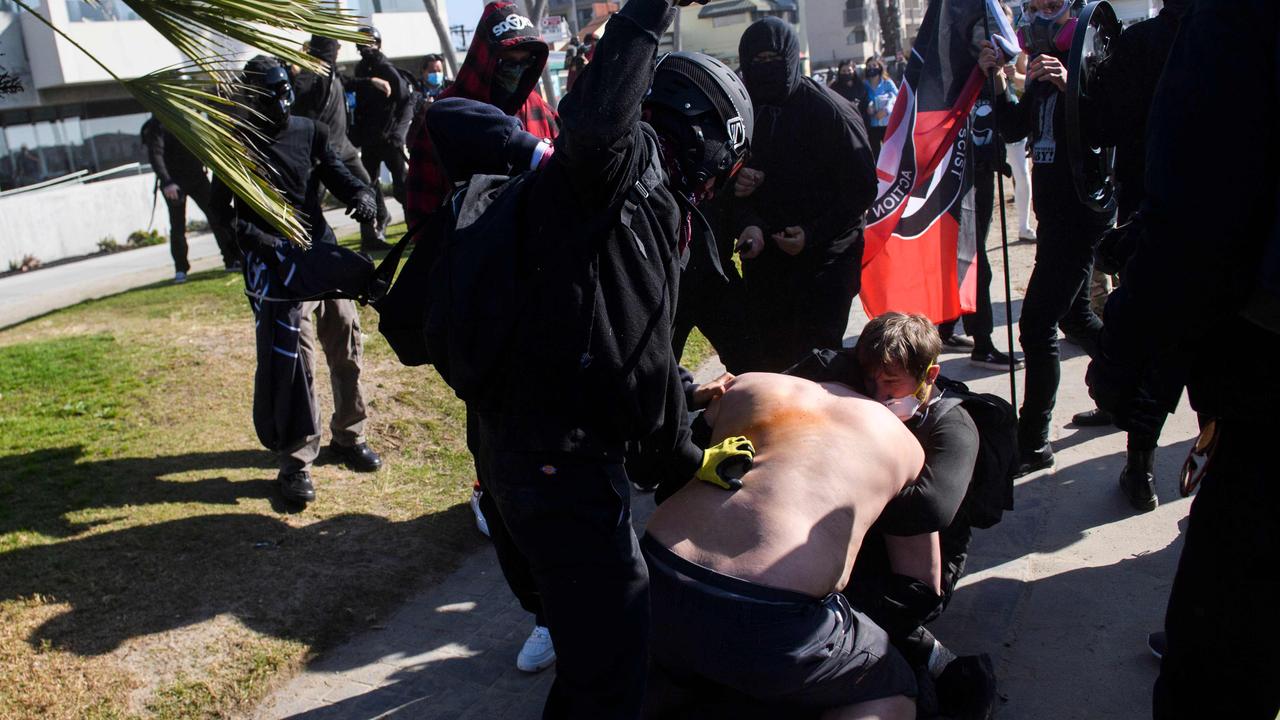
(745, 586)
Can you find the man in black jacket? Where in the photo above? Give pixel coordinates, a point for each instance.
(379, 125)
(322, 97)
(180, 175)
(595, 370)
(279, 278)
(1116, 116)
(1204, 285)
(1058, 291)
(811, 179)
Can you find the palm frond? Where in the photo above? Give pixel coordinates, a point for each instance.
(202, 118)
(201, 112)
(202, 28)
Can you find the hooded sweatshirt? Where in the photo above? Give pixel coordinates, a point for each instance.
(500, 28)
(811, 145)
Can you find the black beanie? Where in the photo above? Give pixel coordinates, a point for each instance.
(324, 48)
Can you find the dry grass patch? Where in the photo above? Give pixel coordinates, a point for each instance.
(146, 569)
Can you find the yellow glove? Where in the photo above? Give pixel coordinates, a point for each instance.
(724, 465)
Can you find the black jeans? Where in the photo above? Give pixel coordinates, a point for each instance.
(798, 304)
(1057, 294)
(979, 323)
(1220, 661)
(567, 523)
(368, 230)
(373, 156)
(196, 188)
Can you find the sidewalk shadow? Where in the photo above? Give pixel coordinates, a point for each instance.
(308, 583)
(1091, 489)
(1051, 638)
(42, 487)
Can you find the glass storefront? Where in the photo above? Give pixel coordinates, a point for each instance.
(45, 143)
(100, 11)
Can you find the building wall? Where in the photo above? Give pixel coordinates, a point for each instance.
(717, 39)
(834, 32)
(64, 222)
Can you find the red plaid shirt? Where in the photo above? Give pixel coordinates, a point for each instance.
(500, 28)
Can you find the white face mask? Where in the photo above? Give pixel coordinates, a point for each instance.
(904, 408)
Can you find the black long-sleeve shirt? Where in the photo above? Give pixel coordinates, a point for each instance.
(299, 157)
(170, 160)
(819, 172)
(322, 97)
(1208, 267)
(376, 119)
(596, 370)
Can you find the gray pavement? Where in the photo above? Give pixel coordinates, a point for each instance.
(1062, 593)
(28, 295)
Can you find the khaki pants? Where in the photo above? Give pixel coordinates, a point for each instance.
(336, 324)
(1100, 287)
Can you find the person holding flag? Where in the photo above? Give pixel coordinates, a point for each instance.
(1058, 291)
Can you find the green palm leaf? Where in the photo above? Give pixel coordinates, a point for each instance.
(192, 100)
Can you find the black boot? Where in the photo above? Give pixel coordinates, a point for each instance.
(296, 486)
(359, 457)
(1138, 481)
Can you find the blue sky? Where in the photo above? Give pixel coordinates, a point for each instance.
(464, 12)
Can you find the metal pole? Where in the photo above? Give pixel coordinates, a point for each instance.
(1004, 234)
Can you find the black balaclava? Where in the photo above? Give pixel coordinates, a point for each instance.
(324, 48)
(770, 83)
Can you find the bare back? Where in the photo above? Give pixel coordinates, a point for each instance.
(827, 461)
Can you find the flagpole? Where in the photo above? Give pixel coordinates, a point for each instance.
(1004, 231)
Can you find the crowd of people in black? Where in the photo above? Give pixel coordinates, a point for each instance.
(817, 502)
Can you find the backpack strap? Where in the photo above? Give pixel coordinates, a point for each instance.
(644, 185)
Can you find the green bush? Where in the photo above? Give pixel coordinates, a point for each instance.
(108, 244)
(145, 238)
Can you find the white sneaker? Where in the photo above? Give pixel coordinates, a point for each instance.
(538, 653)
(179, 278)
(481, 524)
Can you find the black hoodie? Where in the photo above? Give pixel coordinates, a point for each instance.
(811, 145)
(595, 368)
(376, 119)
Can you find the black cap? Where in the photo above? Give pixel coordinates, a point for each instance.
(325, 48)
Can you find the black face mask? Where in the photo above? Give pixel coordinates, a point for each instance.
(872, 73)
(367, 52)
(766, 82)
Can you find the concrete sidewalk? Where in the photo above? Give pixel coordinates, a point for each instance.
(32, 294)
(1062, 593)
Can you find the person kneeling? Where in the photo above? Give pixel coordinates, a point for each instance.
(745, 586)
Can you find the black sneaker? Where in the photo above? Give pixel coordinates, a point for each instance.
(373, 246)
(1096, 417)
(994, 359)
(1033, 460)
(958, 341)
(1157, 643)
(1140, 488)
(296, 486)
(356, 457)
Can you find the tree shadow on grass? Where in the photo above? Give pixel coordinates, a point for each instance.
(311, 583)
(38, 489)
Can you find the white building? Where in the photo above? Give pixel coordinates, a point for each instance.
(72, 117)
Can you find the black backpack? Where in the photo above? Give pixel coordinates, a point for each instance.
(991, 490)
(457, 302)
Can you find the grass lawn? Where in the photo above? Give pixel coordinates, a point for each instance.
(146, 569)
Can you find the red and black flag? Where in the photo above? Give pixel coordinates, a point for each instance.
(921, 249)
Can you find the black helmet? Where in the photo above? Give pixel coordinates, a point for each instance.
(716, 112)
(374, 34)
(270, 92)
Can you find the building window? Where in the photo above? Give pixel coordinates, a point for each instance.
(106, 10)
(857, 37)
(45, 143)
(725, 20)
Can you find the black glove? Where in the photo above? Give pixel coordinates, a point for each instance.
(363, 207)
(1117, 246)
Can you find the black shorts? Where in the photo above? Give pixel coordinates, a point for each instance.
(772, 645)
